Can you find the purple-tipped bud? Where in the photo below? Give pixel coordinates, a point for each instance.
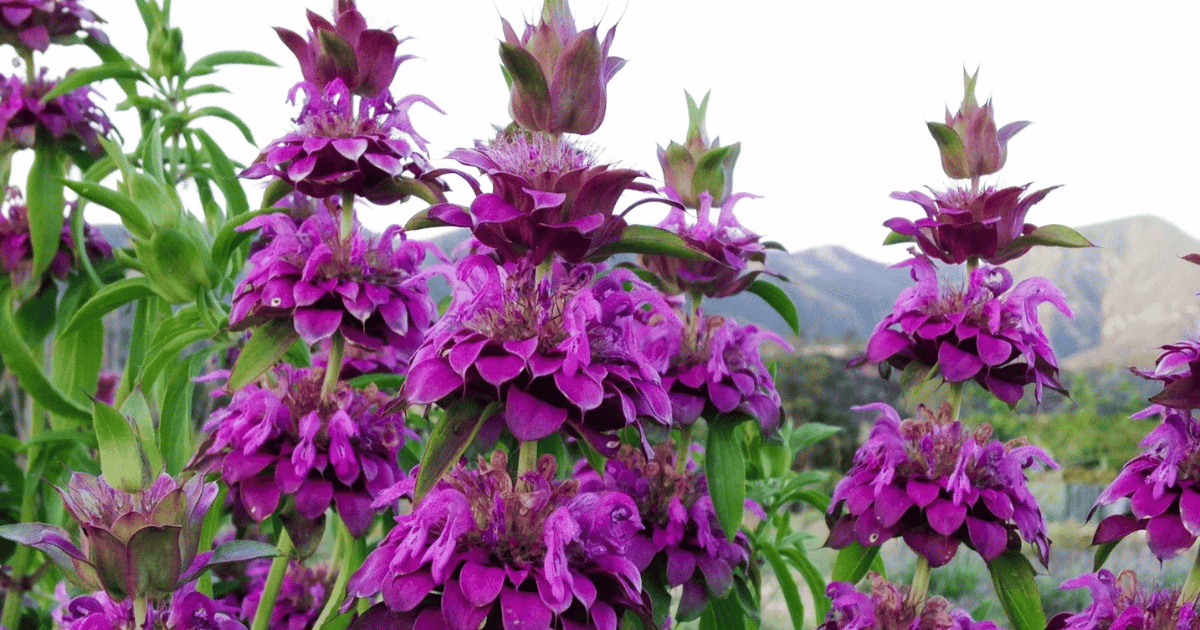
(558, 76)
(35, 24)
(698, 165)
(70, 119)
(363, 58)
(969, 142)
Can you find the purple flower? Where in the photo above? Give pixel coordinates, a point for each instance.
(300, 599)
(1163, 487)
(699, 165)
(1118, 604)
(334, 151)
(887, 607)
(962, 224)
(556, 350)
(549, 197)
(35, 24)
(132, 544)
(283, 439)
(370, 290)
(937, 484)
(186, 610)
(983, 331)
(358, 360)
(558, 76)
(1174, 368)
(363, 58)
(731, 247)
(969, 142)
(16, 248)
(23, 115)
(682, 531)
(713, 366)
(481, 549)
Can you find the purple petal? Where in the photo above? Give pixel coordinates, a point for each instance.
(313, 325)
(1145, 505)
(1189, 510)
(1116, 527)
(956, 365)
(430, 381)
(990, 539)
(481, 584)
(1167, 537)
(891, 506)
(530, 418)
(945, 517)
(922, 493)
(937, 549)
(260, 495)
(523, 611)
(458, 611)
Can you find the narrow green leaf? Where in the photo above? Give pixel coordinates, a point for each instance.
(176, 429)
(950, 146)
(852, 563)
(152, 153)
(207, 88)
(36, 316)
(1012, 575)
(779, 300)
(77, 360)
(80, 78)
(226, 179)
(86, 439)
(131, 215)
(228, 238)
(21, 363)
(224, 114)
(809, 434)
(264, 349)
(1052, 235)
(179, 331)
(108, 299)
(895, 238)
(812, 576)
(644, 239)
(243, 57)
(449, 439)
(44, 197)
(122, 458)
(421, 221)
(725, 467)
(383, 381)
(275, 191)
(787, 584)
(137, 409)
(723, 614)
(1103, 551)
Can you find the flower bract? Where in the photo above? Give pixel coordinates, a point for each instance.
(363, 58)
(1118, 603)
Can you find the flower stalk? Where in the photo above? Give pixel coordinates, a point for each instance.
(266, 606)
(337, 353)
(1191, 588)
(681, 449)
(527, 458)
(920, 582)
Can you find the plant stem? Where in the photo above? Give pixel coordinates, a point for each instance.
(139, 611)
(11, 615)
(956, 390)
(337, 350)
(681, 449)
(527, 458)
(1191, 587)
(920, 582)
(345, 549)
(266, 605)
(347, 224)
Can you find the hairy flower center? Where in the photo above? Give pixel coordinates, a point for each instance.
(530, 309)
(934, 443)
(531, 155)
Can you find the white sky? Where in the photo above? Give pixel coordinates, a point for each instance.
(828, 99)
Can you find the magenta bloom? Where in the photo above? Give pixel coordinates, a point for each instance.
(335, 151)
(558, 350)
(186, 610)
(370, 290)
(558, 76)
(713, 366)
(549, 197)
(16, 250)
(23, 115)
(682, 532)
(301, 597)
(732, 248)
(937, 484)
(983, 331)
(483, 550)
(886, 607)
(1118, 604)
(961, 225)
(1175, 368)
(1163, 487)
(35, 24)
(363, 58)
(279, 440)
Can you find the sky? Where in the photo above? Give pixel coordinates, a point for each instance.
(829, 99)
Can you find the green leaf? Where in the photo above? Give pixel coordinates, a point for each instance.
(1051, 235)
(723, 614)
(19, 361)
(229, 237)
(779, 300)
(950, 146)
(812, 576)
(226, 179)
(1012, 575)
(36, 317)
(895, 238)
(131, 215)
(172, 337)
(644, 239)
(383, 381)
(276, 191)
(122, 455)
(526, 73)
(264, 349)
(152, 153)
(809, 434)
(449, 440)
(44, 197)
(207, 88)
(80, 78)
(787, 584)
(233, 551)
(224, 114)
(85, 439)
(1103, 551)
(176, 429)
(77, 359)
(421, 221)
(852, 563)
(243, 57)
(725, 467)
(108, 299)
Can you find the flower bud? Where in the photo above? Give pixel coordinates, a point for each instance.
(699, 165)
(969, 142)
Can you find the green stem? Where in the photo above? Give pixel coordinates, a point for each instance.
(956, 390)
(347, 225)
(27, 57)
(345, 550)
(681, 449)
(920, 582)
(337, 350)
(139, 611)
(527, 459)
(11, 615)
(266, 605)
(1191, 588)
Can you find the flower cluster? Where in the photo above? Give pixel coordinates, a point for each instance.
(370, 291)
(35, 24)
(186, 610)
(549, 197)
(557, 350)
(987, 330)
(284, 439)
(301, 596)
(363, 58)
(1163, 487)
(483, 549)
(887, 607)
(937, 484)
(23, 115)
(681, 528)
(16, 249)
(1174, 369)
(336, 150)
(1119, 604)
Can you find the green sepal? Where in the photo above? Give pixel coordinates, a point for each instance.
(895, 238)
(525, 72)
(1012, 575)
(949, 145)
(1103, 551)
(263, 350)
